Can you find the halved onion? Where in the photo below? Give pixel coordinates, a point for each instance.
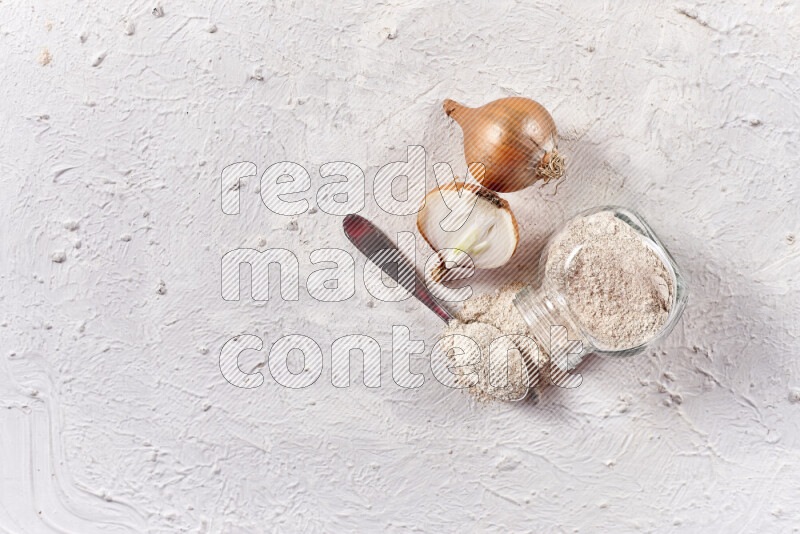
(489, 233)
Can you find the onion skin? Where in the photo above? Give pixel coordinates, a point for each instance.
(509, 144)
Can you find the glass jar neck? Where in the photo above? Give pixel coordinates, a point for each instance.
(553, 328)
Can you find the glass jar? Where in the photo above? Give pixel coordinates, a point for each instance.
(550, 314)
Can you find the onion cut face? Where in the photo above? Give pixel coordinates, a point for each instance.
(481, 223)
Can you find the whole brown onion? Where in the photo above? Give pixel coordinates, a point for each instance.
(509, 144)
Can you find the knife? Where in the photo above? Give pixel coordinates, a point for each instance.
(371, 242)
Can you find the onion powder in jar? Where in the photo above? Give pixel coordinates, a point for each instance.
(607, 285)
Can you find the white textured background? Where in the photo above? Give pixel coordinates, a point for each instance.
(114, 416)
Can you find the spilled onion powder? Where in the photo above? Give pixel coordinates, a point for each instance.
(484, 318)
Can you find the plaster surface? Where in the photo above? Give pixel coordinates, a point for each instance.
(118, 119)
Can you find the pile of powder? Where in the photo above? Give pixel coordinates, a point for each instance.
(484, 318)
(616, 285)
(490, 373)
